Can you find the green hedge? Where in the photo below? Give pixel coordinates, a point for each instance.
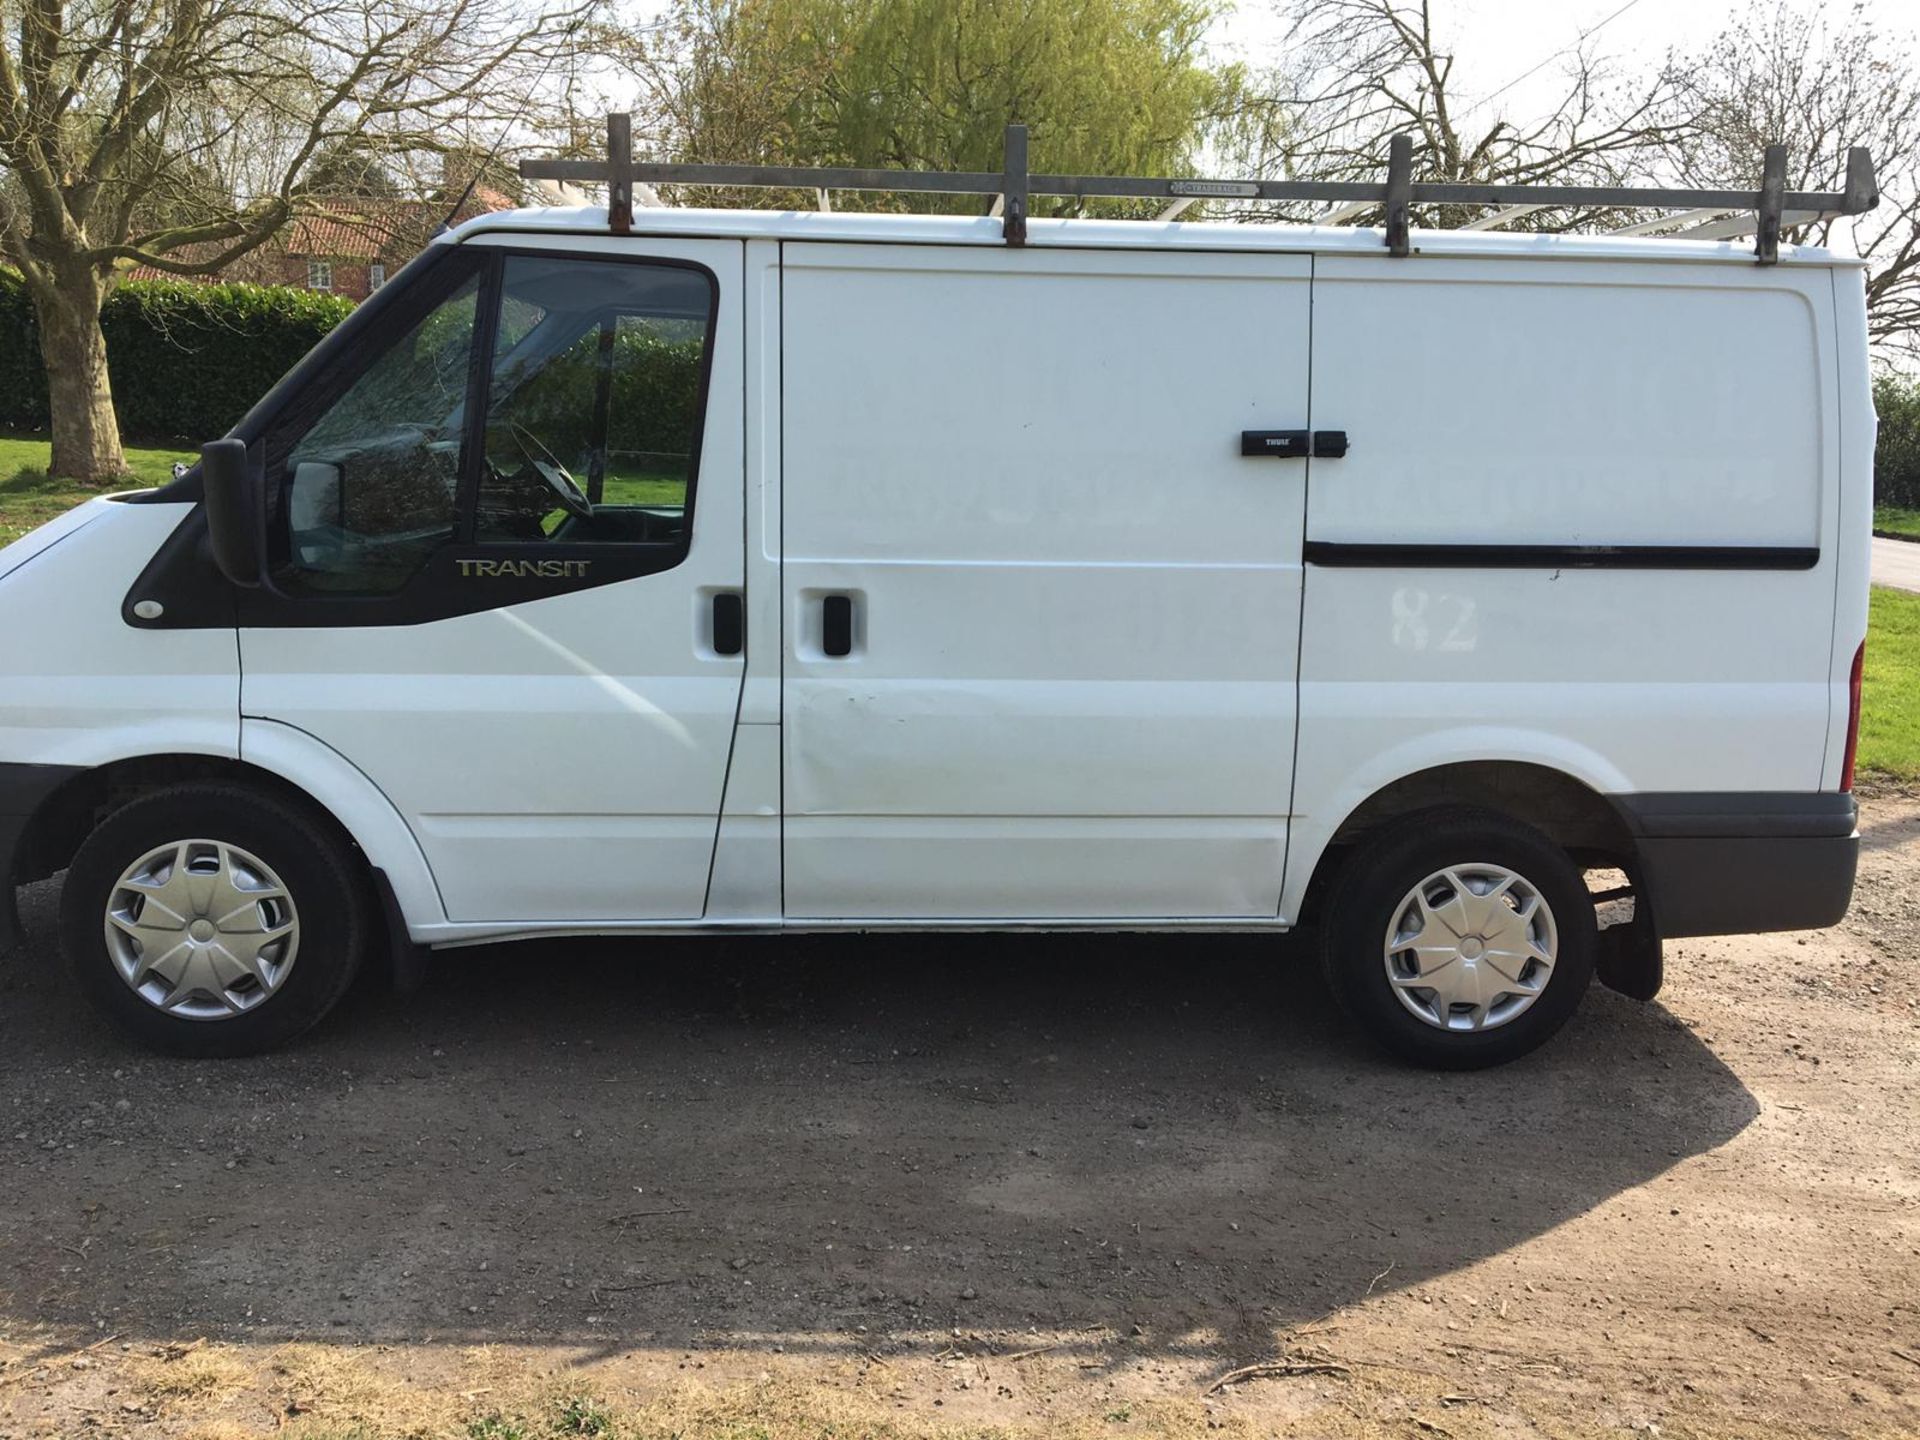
(1896, 458)
(186, 360)
(189, 360)
(655, 396)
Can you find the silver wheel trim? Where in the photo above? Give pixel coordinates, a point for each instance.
(1471, 947)
(201, 930)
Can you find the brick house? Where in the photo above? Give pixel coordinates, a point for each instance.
(347, 245)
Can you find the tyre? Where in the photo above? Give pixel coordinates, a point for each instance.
(213, 920)
(1459, 939)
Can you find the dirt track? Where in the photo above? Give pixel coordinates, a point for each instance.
(1034, 1185)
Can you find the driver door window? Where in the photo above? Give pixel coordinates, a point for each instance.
(371, 487)
(594, 391)
(594, 402)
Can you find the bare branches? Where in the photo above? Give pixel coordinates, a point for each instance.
(118, 115)
(1819, 83)
(1817, 79)
(177, 134)
(1360, 71)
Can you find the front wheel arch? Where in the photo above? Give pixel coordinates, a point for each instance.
(72, 811)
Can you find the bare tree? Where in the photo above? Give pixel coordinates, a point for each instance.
(1361, 71)
(1819, 83)
(175, 134)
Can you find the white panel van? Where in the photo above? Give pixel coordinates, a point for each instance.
(771, 572)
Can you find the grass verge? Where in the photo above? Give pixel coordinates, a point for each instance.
(1895, 520)
(29, 497)
(1890, 704)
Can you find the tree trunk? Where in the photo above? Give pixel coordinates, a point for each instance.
(86, 433)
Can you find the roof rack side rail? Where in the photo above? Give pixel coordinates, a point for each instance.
(1771, 206)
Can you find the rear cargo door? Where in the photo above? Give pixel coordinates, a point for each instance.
(1041, 615)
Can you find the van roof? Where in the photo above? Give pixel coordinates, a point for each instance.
(986, 231)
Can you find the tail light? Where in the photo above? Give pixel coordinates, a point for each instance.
(1853, 717)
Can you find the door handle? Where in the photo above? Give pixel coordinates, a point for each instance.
(836, 626)
(1276, 444)
(1293, 444)
(729, 622)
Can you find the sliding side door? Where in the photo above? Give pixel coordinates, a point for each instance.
(1040, 613)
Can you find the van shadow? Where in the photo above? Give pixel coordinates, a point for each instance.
(846, 1145)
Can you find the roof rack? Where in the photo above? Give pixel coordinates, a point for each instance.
(1696, 214)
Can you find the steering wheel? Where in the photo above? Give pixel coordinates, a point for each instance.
(548, 467)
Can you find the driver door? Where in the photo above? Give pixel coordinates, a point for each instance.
(505, 547)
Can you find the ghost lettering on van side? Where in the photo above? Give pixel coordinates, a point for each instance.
(523, 569)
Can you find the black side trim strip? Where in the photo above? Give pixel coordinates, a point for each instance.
(1562, 557)
(1739, 814)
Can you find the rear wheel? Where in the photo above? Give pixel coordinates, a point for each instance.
(214, 919)
(1459, 938)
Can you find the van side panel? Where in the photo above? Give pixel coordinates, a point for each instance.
(84, 688)
(1070, 685)
(1853, 548)
(1528, 403)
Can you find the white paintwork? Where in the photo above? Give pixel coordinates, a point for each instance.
(562, 759)
(81, 686)
(1092, 683)
(43, 538)
(341, 788)
(1619, 421)
(745, 886)
(1853, 534)
(590, 226)
(746, 860)
(1075, 602)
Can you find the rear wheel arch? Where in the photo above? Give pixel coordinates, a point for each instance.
(1563, 808)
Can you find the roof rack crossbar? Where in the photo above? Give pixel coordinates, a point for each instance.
(1770, 207)
(1679, 220)
(1501, 217)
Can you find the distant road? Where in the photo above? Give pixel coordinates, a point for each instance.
(1896, 563)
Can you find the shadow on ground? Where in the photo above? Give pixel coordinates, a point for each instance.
(842, 1145)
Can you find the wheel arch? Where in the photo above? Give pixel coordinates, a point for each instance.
(279, 759)
(1566, 808)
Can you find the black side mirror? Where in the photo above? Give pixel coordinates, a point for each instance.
(236, 516)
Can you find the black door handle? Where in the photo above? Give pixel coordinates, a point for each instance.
(1279, 444)
(1292, 444)
(729, 623)
(836, 626)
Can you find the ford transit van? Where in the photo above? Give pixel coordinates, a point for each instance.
(756, 571)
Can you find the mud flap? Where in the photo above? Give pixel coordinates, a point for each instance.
(1631, 960)
(406, 961)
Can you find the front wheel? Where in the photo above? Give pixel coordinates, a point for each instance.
(214, 919)
(1459, 939)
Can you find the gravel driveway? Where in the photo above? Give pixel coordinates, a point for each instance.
(947, 1185)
